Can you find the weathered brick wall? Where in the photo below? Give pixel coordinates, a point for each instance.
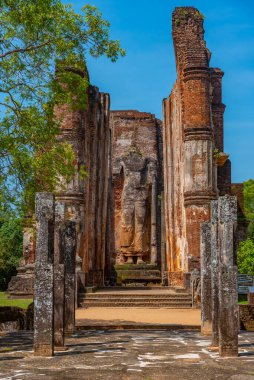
(173, 181)
(87, 199)
(193, 128)
(97, 146)
(136, 166)
(218, 109)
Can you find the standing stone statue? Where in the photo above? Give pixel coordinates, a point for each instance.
(137, 183)
(135, 235)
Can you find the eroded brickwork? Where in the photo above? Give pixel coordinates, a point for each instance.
(87, 198)
(193, 136)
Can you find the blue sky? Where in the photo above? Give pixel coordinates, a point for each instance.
(146, 75)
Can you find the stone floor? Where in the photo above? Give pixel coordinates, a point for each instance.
(122, 355)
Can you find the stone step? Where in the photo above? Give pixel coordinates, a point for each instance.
(130, 288)
(172, 305)
(137, 300)
(89, 296)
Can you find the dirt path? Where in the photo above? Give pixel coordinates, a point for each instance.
(140, 315)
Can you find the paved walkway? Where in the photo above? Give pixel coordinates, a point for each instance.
(137, 316)
(126, 355)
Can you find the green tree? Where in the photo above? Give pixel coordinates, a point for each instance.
(34, 37)
(249, 206)
(10, 248)
(245, 257)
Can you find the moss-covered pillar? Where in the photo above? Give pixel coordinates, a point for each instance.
(206, 285)
(228, 294)
(44, 270)
(59, 276)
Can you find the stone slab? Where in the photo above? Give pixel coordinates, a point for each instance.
(43, 287)
(131, 354)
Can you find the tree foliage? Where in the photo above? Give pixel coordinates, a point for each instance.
(10, 248)
(245, 257)
(249, 206)
(245, 252)
(34, 37)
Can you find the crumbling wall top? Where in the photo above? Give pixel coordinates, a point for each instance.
(132, 114)
(188, 37)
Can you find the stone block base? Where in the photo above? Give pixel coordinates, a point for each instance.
(43, 350)
(246, 315)
(206, 328)
(12, 318)
(94, 278)
(251, 299)
(175, 279)
(22, 285)
(137, 273)
(228, 352)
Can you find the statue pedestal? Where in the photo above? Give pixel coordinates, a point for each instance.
(142, 274)
(22, 285)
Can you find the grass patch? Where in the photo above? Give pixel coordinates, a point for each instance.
(5, 349)
(242, 302)
(22, 303)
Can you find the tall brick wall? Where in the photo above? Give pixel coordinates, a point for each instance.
(193, 128)
(87, 198)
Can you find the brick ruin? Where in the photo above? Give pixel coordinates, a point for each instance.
(138, 213)
(196, 170)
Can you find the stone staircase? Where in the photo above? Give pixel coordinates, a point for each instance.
(140, 298)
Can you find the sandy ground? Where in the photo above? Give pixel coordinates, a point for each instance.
(104, 315)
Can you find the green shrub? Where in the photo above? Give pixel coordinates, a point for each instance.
(245, 257)
(10, 249)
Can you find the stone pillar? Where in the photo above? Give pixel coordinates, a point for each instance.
(59, 274)
(43, 290)
(69, 247)
(215, 273)
(163, 242)
(206, 286)
(218, 108)
(228, 295)
(154, 257)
